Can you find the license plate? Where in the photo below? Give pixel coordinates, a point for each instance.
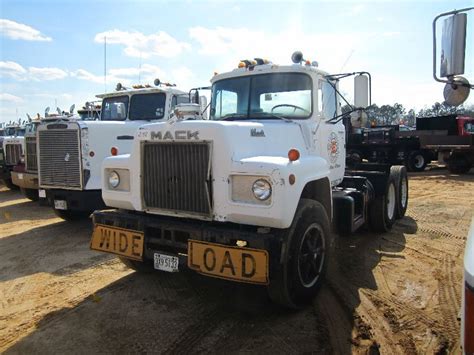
(118, 241)
(227, 262)
(20, 176)
(167, 263)
(42, 193)
(60, 204)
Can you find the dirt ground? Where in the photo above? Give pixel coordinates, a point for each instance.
(397, 292)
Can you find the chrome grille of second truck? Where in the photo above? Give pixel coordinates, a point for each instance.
(30, 156)
(12, 154)
(176, 177)
(59, 158)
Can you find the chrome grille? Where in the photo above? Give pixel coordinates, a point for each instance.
(31, 159)
(59, 158)
(176, 177)
(12, 154)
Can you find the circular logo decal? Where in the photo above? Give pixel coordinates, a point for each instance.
(333, 147)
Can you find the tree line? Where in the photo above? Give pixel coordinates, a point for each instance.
(397, 114)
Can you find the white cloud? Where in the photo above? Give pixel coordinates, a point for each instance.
(5, 97)
(15, 30)
(40, 74)
(16, 71)
(233, 44)
(85, 75)
(52, 96)
(12, 70)
(127, 76)
(137, 44)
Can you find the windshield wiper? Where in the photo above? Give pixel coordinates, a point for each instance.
(233, 116)
(271, 115)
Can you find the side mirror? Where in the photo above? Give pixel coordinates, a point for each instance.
(203, 104)
(453, 45)
(361, 91)
(196, 97)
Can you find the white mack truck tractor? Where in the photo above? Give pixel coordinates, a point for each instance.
(70, 153)
(251, 194)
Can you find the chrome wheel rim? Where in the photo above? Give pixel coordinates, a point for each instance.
(311, 255)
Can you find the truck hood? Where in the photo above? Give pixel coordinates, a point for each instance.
(236, 139)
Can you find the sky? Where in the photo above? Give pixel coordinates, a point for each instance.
(52, 52)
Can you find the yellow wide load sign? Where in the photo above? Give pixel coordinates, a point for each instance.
(119, 241)
(239, 264)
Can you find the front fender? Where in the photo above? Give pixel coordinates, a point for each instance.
(114, 198)
(285, 196)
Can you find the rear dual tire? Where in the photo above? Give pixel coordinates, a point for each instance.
(399, 173)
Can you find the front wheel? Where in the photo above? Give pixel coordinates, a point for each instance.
(69, 215)
(417, 161)
(308, 243)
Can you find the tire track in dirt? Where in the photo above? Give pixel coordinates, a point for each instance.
(47, 292)
(448, 300)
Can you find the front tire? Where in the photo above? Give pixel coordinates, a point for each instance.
(417, 161)
(308, 245)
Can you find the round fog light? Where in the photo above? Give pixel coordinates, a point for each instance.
(262, 189)
(114, 179)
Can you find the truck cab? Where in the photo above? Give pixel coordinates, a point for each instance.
(70, 152)
(12, 148)
(251, 194)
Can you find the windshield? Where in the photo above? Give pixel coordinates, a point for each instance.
(10, 131)
(469, 127)
(20, 132)
(147, 106)
(30, 128)
(115, 108)
(262, 96)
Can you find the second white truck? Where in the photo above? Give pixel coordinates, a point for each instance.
(70, 153)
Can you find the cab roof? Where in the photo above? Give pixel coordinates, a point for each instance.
(268, 69)
(143, 90)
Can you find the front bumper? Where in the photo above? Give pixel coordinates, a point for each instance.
(82, 200)
(25, 180)
(171, 234)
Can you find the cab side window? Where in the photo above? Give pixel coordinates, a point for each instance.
(327, 100)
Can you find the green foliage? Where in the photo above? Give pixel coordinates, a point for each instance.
(397, 114)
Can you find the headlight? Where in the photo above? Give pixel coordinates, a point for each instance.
(114, 179)
(262, 189)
